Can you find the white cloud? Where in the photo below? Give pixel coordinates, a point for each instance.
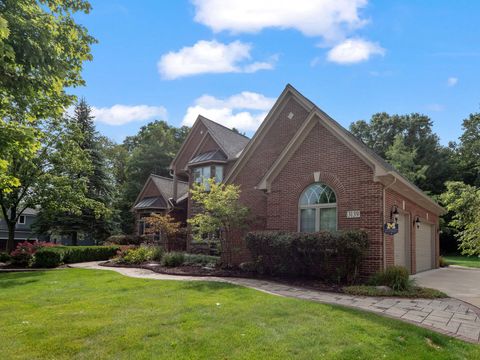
(330, 19)
(210, 57)
(244, 111)
(123, 114)
(452, 81)
(353, 51)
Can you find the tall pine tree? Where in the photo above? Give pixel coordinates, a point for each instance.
(98, 186)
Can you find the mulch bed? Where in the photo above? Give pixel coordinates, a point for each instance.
(313, 284)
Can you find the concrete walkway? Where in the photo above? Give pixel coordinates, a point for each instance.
(458, 282)
(447, 316)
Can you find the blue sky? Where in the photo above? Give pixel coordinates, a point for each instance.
(229, 60)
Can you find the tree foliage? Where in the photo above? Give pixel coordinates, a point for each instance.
(91, 222)
(149, 152)
(403, 159)
(464, 202)
(42, 50)
(419, 140)
(468, 150)
(221, 213)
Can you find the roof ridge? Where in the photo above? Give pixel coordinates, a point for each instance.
(223, 126)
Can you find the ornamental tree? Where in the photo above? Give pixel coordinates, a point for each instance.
(165, 225)
(220, 214)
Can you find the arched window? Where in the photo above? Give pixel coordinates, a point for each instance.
(317, 209)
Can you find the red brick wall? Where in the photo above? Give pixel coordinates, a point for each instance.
(344, 172)
(412, 210)
(198, 132)
(257, 165)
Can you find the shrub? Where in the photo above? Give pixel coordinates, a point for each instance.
(442, 262)
(173, 259)
(47, 258)
(124, 240)
(202, 260)
(328, 255)
(395, 277)
(4, 257)
(140, 255)
(23, 253)
(54, 256)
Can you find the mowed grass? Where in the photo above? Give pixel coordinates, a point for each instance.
(86, 314)
(462, 260)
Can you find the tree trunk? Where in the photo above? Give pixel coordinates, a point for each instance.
(11, 236)
(74, 238)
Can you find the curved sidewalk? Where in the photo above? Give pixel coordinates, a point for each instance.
(447, 316)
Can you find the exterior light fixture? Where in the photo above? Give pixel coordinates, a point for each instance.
(394, 213)
(417, 222)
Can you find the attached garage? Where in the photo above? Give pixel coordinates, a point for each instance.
(424, 247)
(401, 243)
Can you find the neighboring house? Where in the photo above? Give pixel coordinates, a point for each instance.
(302, 171)
(157, 197)
(23, 229)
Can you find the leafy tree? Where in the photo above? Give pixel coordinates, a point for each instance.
(221, 214)
(468, 150)
(149, 152)
(164, 225)
(42, 50)
(381, 131)
(463, 201)
(51, 178)
(403, 159)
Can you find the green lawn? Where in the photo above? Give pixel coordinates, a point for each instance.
(85, 314)
(461, 260)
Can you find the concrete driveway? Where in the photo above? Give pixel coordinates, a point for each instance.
(460, 283)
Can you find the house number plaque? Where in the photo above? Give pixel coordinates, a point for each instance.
(352, 214)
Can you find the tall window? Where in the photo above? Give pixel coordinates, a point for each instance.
(318, 209)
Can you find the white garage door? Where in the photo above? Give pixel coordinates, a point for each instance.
(424, 247)
(400, 243)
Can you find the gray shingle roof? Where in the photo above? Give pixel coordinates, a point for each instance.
(165, 185)
(155, 202)
(215, 155)
(231, 142)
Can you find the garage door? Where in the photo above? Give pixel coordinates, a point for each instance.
(400, 243)
(424, 247)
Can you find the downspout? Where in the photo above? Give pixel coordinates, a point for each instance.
(384, 209)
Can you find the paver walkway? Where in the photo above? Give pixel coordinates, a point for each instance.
(448, 316)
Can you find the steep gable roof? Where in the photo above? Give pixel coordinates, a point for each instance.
(165, 187)
(384, 172)
(230, 142)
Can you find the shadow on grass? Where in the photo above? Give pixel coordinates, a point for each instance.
(12, 279)
(206, 285)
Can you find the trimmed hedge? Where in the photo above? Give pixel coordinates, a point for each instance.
(55, 256)
(332, 256)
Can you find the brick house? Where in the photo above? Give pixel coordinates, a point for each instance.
(302, 171)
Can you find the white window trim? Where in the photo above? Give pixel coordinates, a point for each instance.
(317, 208)
(24, 220)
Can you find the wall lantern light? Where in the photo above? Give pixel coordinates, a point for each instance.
(417, 222)
(394, 213)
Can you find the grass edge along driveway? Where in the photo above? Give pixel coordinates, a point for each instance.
(462, 260)
(88, 314)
